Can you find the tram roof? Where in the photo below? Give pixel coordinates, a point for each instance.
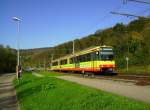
(84, 51)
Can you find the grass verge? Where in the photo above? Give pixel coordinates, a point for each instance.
(50, 73)
(139, 70)
(50, 93)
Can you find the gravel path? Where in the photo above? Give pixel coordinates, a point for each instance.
(8, 100)
(130, 90)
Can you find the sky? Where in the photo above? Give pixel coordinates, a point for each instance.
(47, 23)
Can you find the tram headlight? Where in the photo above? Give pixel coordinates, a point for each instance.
(101, 66)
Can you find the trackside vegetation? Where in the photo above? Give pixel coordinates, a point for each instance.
(50, 74)
(139, 70)
(50, 93)
(131, 40)
(7, 59)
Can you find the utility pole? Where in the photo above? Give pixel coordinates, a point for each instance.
(73, 48)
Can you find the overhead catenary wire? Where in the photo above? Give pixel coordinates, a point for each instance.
(131, 15)
(126, 14)
(138, 1)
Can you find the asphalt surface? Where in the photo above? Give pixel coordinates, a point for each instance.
(127, 89)
(8, 99)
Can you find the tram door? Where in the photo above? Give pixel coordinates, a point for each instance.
(77, 62)
(92, 60)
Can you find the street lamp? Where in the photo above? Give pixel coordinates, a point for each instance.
(18, 31)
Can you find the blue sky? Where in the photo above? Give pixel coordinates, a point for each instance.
(46, 23)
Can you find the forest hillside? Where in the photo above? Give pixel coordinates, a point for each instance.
(132, 40)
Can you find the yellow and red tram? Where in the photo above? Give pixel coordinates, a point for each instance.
(95, 59)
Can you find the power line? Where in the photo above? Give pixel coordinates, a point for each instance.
(128, 15)
(138, 1)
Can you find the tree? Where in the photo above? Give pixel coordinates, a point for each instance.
(7, 59)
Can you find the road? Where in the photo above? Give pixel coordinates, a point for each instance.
(8, 100)
(129, 89)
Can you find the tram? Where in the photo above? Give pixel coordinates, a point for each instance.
(95, 59)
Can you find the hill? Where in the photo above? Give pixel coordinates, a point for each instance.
(130, 40)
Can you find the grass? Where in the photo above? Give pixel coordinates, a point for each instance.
(50, 93)
(141, 70)
(50, 74)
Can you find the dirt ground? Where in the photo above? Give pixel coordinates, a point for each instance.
(8, 100)
(127, 89)
(140, 80)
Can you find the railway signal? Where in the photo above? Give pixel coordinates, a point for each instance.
(127, 62)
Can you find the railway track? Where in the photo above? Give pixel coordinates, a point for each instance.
(142, 80)
(137, 79)
(137, 76)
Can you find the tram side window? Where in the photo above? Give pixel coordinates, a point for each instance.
(95, 56)
(88, 57)
(81, 58)
(62, 62)
(77, 59)
(85, 57)
(71, 60)
(74, 60)
(55, 63)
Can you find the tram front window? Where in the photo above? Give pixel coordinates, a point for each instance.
(107, 57)
(106, 54)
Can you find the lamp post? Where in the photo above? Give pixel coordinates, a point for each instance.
(18, 31)
(73, 47)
